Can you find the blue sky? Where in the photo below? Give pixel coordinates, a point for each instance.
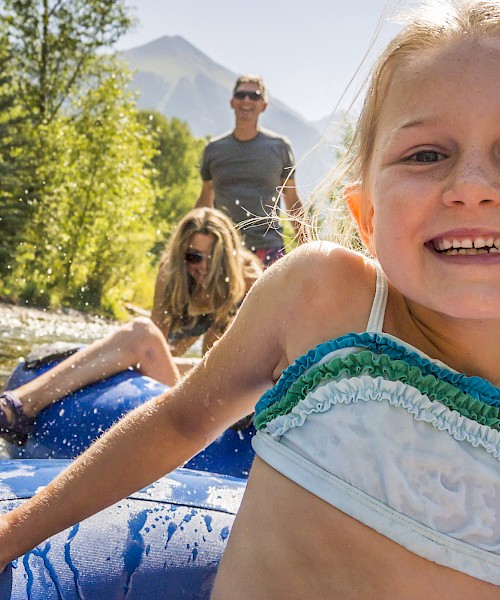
(307, 51)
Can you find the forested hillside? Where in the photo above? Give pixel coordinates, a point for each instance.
(89, 184)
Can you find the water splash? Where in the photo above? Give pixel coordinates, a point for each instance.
(69, 561)
(135, 548)
(43, 554)
(208, 523)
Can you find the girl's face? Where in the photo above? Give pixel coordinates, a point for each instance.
(198, 256)
(434, 180)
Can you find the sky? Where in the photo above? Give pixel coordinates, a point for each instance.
(307, 51)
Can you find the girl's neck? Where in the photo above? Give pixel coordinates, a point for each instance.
(468, 346)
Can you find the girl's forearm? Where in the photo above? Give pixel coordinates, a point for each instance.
(134, 453)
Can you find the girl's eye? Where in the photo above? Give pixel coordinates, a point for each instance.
(426, 156)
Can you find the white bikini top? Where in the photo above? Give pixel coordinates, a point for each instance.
(395, 439)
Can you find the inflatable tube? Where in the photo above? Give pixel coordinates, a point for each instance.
(66, 428)
(162, 542)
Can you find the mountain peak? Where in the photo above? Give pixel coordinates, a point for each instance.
(176, 79)
(166, 43)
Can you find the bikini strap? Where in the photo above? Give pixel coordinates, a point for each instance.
(377, 313)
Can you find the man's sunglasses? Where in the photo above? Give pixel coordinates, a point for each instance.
(241, 95)
(195, 258)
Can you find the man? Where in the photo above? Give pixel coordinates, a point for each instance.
(248, 171)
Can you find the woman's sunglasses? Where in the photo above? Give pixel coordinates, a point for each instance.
(195, 258)
(241, 95)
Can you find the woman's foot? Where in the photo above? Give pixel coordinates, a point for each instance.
(15, 426)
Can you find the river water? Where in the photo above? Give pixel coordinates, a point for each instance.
(22, 329)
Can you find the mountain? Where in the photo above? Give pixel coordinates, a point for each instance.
(178, 80)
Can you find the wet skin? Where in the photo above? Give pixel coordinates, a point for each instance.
(434, 177)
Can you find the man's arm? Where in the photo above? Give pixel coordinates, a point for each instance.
(207, 196)
(294, 208)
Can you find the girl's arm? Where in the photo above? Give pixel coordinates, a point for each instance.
(160, 435)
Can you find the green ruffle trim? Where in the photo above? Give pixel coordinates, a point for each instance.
(366, 363)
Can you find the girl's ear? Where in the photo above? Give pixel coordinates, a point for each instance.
(361, 209)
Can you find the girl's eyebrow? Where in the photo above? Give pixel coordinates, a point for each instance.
(415, 123)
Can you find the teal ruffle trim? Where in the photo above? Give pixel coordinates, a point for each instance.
(366, 363)
(476, 387)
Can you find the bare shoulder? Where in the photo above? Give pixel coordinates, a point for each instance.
(317, 292)
(329, 259)
(326, 273)
(324, 291)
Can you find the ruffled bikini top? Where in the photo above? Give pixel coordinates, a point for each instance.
(394, 438)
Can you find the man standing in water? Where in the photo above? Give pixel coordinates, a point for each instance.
(248, 171)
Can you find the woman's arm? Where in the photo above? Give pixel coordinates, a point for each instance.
(252, 268)
(157, 313)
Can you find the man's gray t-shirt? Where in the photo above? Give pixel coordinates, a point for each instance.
(245, 176)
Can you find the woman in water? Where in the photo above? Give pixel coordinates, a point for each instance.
(204, 274)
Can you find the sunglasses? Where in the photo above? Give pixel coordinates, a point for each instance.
(195, 258)
(241, 95)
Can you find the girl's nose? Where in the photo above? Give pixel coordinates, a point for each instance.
(473, 183)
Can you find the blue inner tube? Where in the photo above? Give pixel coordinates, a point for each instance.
(162, 542)
(66, 428)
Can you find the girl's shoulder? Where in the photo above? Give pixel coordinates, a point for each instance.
(324, 290)
(328, 263)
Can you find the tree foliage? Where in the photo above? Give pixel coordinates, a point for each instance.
(15, 144)
(88, 184)
(174, 170)
(95, 218)
(55, 42)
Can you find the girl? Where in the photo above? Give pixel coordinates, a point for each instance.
(204, 274)
(377, 454)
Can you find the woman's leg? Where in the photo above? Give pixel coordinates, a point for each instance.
(138, 344)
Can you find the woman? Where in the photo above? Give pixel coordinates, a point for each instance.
(204, 275)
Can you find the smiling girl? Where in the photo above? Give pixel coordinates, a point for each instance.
(378, 444)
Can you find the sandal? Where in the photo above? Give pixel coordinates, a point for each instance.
(16, 432)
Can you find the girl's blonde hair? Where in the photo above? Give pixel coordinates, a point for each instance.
(435, 24)
(225, 284)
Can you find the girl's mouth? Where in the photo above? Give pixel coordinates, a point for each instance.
(472, 245)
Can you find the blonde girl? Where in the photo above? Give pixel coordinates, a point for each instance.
(377, 468)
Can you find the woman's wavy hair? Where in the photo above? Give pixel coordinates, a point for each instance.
(435, 24)
(225, 283)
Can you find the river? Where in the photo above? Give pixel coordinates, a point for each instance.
(22, 328)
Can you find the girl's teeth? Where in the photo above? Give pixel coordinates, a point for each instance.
(479, 245)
